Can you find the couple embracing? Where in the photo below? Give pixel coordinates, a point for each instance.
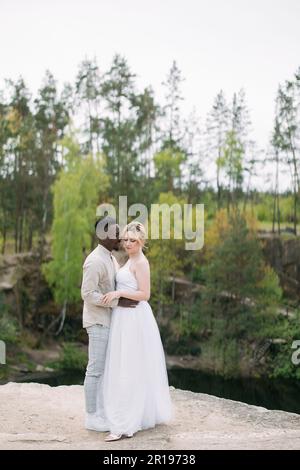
(126, 383)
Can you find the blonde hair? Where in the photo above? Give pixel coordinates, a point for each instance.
(138, 230)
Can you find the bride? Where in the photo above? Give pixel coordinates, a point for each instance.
(135, 383)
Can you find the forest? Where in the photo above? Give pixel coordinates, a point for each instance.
(234, 304)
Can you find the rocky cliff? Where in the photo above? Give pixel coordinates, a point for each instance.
(36, 416)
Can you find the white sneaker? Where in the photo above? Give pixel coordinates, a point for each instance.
(95, 423)
(116, 437)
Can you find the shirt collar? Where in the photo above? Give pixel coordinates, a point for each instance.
(104, 250)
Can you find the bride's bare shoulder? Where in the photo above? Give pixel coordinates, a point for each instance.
(143, 262)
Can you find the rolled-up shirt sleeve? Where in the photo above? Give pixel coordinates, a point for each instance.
(90, 290)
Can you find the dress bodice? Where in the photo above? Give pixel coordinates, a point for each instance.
(125, 278)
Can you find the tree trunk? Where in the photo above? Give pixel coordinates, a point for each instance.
(3, 238)
(62, 318)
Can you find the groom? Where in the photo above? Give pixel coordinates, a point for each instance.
(99, 272)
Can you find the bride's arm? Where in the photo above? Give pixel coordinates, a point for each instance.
(142, 274)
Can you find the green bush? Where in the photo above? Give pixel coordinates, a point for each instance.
(8, 325)
(286, 204)
(231, 358)
(289, 330)
(72, 358)
(265, 207)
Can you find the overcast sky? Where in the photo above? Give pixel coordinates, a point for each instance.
(226, 44)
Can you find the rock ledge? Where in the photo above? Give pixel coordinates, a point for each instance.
(37, 416)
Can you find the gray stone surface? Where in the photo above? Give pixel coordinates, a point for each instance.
(37, 416)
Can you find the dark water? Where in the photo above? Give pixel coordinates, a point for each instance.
(272, 394)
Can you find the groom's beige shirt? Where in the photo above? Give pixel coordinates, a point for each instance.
(99, 272)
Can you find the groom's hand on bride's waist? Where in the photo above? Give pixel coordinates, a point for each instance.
(123, 302)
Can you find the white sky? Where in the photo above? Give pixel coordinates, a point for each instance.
(217, 44)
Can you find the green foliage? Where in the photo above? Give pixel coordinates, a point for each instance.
(165, 254)
(286, 205)
(241, 293)
(76, 193)
(283, 366)
(232, 160)
(264, 209)
(231, 358)
(269, 291)
(167, 168)
(8, 325)
(237, 266)
(280, 360)
(72, 358)
(264, 206)
(208, 198)
(126, 130)
(198, 274)
(178, 342)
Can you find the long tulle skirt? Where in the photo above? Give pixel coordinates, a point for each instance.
(135, 384)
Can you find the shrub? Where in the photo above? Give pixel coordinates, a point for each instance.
(8, 325)
(72, 358)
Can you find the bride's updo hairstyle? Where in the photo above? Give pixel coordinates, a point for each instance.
(138, 231)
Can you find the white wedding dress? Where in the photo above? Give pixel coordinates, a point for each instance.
(135, 383)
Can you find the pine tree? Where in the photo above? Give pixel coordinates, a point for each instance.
(193, 167)
(239, 284)
(20, 151)
(288, 127)
(88, 100)
(172, 132)
(127, 129)
(217, 126)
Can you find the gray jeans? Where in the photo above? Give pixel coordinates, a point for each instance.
(98, 339)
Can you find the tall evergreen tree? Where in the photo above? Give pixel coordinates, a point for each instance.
(217, 126)
(51, 119)
(172, 132)
(288, 128)
(20, 150)
(232, 163)
(192, 169)
(167, 169)
(127, 128)
(88, 100)
(276, 144)
(6, 175)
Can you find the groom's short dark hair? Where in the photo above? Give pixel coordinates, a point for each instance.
(102, 225)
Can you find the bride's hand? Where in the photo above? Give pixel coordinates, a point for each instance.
(107, 298)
